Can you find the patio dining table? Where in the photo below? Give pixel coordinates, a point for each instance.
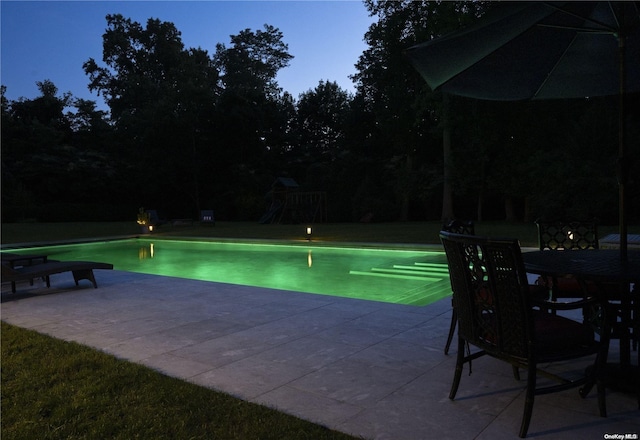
(599, 266)
(593, 265)
(589, 264)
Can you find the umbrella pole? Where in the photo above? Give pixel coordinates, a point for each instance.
(623, 167)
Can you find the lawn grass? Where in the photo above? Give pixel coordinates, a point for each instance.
(396, 232)
(53, 389)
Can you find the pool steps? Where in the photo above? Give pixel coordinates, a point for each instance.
(434, 275)
(428, 272)
(393, 273)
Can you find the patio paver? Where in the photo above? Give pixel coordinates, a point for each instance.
(370, 369)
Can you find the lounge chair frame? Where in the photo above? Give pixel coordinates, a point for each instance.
(81, 270)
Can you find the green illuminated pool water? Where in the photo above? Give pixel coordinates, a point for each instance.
(396, 276)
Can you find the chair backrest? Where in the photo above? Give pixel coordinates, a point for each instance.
(490, 293)
(567, 234)
(459, 227)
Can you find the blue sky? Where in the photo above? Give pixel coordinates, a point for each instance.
(52, 39)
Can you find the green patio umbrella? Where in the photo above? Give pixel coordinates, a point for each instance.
(543, 50)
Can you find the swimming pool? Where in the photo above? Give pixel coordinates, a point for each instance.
(413, 277)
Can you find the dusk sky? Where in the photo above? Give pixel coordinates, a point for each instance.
(52, 39)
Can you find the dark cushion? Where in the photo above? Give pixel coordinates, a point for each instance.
(556, 334)
(570, 287)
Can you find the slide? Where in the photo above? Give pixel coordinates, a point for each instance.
(271, 213)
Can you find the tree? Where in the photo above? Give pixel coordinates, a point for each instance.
(162, 99)
(250, 66)
(50, 160)
(46, 110)
(321, 119)
(254, 115)
(190, 124)
(140, 64)
(405, 111)
(87, 118)
(35, 127)
(250, 92)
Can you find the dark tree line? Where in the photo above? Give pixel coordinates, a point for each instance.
(188, 130)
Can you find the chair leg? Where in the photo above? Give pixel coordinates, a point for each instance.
(599, 371)
(597, 378)
(452, 329)
(602, 401)
(458, 373)
(85, 274)
(528, 400)
(516, 372)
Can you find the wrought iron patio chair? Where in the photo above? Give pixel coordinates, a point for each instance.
(498, 315)
(567, 235)
(457, 227)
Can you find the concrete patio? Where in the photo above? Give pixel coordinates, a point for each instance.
(370, 369)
